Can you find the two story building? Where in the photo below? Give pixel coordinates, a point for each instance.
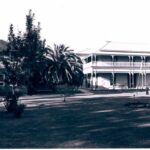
(117, 66)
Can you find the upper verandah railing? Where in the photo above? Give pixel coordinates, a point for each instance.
(117, 64)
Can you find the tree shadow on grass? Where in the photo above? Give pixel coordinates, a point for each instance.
(96, 123)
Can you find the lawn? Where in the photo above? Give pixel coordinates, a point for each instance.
(90, 123)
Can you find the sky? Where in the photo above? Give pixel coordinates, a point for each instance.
(81, 24)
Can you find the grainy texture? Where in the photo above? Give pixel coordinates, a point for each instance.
(104, 122)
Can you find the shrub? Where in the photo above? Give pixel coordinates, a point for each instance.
(10, 103)
(5, 90)
(19, 110)
(65, 89)
(20, 91)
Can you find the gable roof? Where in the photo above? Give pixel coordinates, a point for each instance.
(119, 48)
(125, 47)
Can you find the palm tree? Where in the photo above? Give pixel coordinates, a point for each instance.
(64, 66)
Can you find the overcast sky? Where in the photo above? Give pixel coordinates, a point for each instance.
(81, 24)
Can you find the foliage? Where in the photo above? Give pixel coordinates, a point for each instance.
(3, 46)
(33, 50)
(12, 59)
(14, 76)
(64, 66)
(29, 62)
(19, 110)
(12, 106)
(23, 59)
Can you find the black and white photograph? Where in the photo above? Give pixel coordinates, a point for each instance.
(74, 74)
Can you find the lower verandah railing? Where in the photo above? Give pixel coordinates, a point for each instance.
(127, 64)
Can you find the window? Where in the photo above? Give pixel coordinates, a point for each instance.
(98, 58)
(86, 60)
(89, 59)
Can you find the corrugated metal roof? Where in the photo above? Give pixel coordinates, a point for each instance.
(119, 48)
(126, 47)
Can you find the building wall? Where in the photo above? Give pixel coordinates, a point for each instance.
(122, 66)
(138, 81)
(103, 61)
(148, 80)
(121, 81)
(103, 81)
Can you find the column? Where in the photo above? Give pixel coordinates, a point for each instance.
(133, 80)
(130, 72)
(112, 60)
(141, 69)
(92, 58)
(142, 80)
(95, 60)
(113, 77)
(145, 71)
(145, 80)
(144, 60)
(129, 77)
(129, 80)
(113, 80)
(92, 80)
(130, 60)
(96, 82)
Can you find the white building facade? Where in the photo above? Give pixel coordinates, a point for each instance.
(117, 66)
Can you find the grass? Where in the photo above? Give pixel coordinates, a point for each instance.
(90, 123)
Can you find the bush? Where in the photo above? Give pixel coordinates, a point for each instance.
(20, 91)
(11, 100)
(19, 110)
(65, 89)
(7, 90)
(10, 103)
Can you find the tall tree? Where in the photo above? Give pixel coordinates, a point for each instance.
(12, 58)
(64, 67)
(37, 63)
(13, 72)
(33, 51)
(26, 52)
